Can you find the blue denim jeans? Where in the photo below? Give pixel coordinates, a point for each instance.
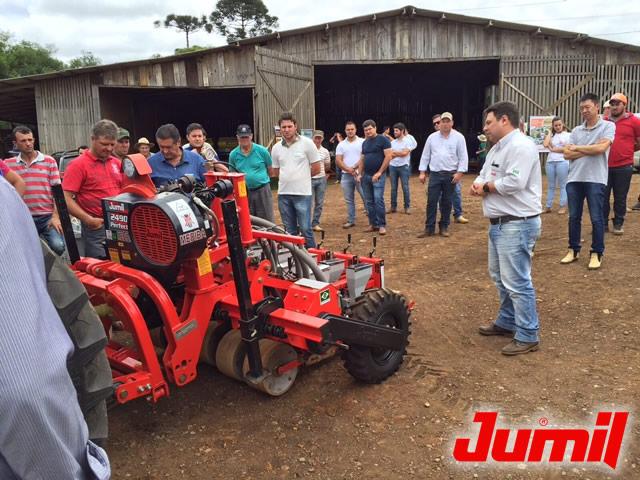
(595, 195)
(374, 199)
(619, 181)
(403, 173)
(295, 211)
(318, 189)
(440, 191)
(557, 173)
(457, 200)
(94, 242)
(349, 187)
(49, 235)
(510, 254)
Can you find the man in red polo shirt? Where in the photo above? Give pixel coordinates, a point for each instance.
(626, 141)
(92, 176)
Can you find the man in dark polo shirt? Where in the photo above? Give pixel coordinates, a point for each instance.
(625, 143)
(92, 176)
(375, 158)
(254, 161)
(172, 161)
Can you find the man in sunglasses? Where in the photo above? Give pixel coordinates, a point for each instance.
(625, 143)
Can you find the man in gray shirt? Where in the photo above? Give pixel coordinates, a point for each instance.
(587, 153)
(510, 185)
(43, 433)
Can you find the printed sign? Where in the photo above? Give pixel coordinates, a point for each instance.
(185, 215)
(539, 127)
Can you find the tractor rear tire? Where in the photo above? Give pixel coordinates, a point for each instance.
(88, 366)
(382, 307)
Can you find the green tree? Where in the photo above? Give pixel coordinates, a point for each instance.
(25, 58)
(238, 19)
(185, 23)
(87, 59)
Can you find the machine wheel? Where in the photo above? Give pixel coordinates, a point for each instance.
(88, 366)
(210, 342)
(274, 355)
(382, 307)
(230, 355)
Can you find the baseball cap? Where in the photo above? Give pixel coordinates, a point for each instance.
(123, 133)
(244, 131)
(318, 133)
(446, 115)
(620, 97)
(606, 104)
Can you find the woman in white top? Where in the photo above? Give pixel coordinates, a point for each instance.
(557, 168)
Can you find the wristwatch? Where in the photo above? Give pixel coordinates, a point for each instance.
(485, 188)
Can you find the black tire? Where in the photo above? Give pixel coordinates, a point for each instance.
(382, 307)
(88, 366)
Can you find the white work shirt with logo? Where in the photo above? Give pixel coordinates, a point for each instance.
(513, 165)
(350, 151)
(294, 162)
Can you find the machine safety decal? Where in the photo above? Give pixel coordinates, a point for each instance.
(242, 189)
(114, 255)
(204, 263)
(185, 215)
(325, 297)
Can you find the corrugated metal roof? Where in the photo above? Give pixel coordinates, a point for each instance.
(408, 10)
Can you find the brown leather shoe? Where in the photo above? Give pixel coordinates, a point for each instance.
(426, 234)
(493, 329)
(516, 347)
(382, 231)
(444, 232)
(371, 229)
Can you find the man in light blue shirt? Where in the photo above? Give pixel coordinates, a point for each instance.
(43, 433)
(445, 155)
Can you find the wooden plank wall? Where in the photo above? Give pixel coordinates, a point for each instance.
(66, 109)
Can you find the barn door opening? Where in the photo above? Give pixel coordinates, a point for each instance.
(283, 83)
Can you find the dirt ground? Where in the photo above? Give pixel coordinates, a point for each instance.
(330, 427)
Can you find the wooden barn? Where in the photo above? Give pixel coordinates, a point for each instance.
(400, 65)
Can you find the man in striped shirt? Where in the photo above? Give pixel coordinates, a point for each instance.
(40, 173)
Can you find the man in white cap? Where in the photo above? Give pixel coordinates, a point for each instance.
(144, 146)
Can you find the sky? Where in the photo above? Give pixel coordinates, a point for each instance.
(123, 30)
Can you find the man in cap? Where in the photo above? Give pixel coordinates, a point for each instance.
(625, 143)
(123, 142)
(144, 146)
(445, 155)
(254, 161)
(319, 181)
(606, 109)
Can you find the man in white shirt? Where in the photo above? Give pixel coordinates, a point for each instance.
(510, 184)
(347, 158)
(400, 166)
(445, 155)
(319, 182)
(295, 160)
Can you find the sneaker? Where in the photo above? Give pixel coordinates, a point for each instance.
(493, 329)
(407, 211)
(547, 210)
(461, 219)
(382, 231)
(426, 234)
(636, 206)
(570, 257)
(444, 232)
(595, 261)
(318, 228)
(391, 210)
(629, 210)
(517, 348)
(562, 211)
(618, 230)
(348, 225)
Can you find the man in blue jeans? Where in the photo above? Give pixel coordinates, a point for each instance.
(400, 166)
(375, 158)
(588, 173)
(445, 155)
(295, 160)
(510, 184)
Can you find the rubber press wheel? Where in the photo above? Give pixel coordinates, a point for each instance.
(382, 307)
(275, 355)
(230, 355)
